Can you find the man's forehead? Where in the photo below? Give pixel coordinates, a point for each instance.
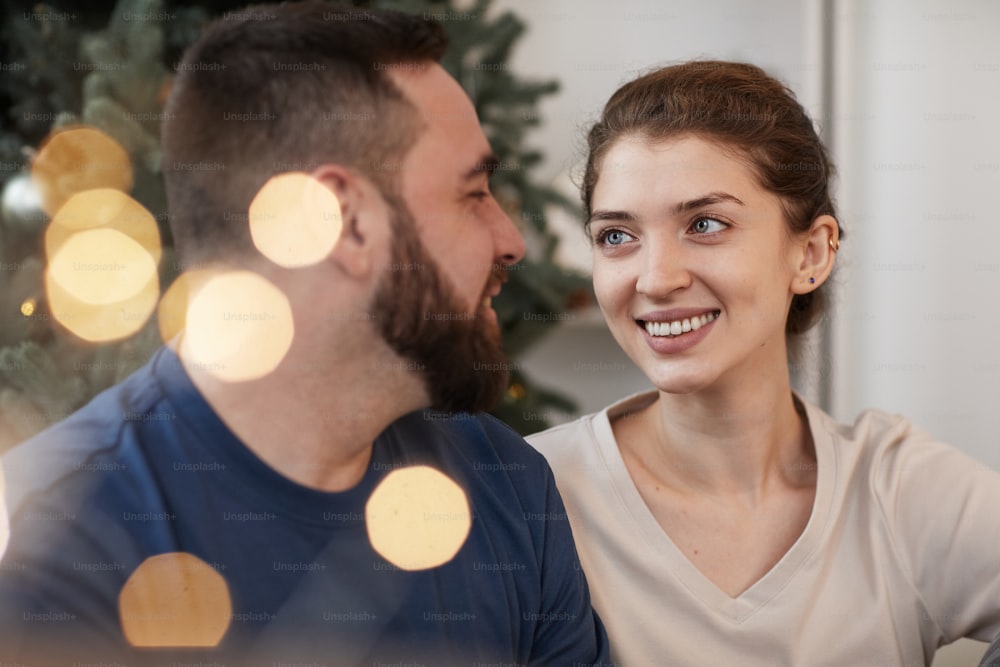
(450, 124)
(440, 99)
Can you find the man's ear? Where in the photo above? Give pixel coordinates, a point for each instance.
(360, 210)
(816, 254)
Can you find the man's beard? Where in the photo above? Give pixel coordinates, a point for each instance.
(460, 356)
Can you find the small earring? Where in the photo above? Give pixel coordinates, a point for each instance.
(811, 280)
(834, 245)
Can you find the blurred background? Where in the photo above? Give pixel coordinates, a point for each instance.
(905, 92)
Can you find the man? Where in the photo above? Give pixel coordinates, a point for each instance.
(315, 511)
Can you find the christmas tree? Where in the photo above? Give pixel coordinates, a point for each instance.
(109, 71)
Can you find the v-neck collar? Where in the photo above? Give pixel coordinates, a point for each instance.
(755, 597)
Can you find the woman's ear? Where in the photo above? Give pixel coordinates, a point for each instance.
(817, 253)
(359, 202)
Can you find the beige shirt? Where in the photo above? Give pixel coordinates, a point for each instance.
(901, 554)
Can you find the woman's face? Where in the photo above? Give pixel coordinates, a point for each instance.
(694, 267)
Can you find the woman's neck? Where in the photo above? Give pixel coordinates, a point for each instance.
(744, 442)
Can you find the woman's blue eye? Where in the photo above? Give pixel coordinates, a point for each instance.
(708, 225)
(614, 237)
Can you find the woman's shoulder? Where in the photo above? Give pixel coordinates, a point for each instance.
(871, 430)
(594, 429)
(563, 440)
(892, 449)
(936, 509)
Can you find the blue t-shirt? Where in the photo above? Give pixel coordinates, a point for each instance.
(992, 657)
(148, 468)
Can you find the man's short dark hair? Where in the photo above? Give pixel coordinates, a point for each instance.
(276, 88)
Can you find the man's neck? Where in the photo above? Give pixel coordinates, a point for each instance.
(316, 428)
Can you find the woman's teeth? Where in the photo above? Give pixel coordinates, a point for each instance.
(678, 327)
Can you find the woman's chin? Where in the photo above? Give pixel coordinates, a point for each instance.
(680, 381)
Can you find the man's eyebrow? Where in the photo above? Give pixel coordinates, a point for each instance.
(488, 164)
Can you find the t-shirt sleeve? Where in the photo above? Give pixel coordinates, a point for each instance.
(66, 560)
(569, 632)
(942, 509)
(57, 585)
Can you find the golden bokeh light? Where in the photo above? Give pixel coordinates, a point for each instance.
(418, 518)
(103, 249)
(75, 159)
(102, 266)
(238, 326)
(101, 323)
(295, 220)
(103, 208)
(175, 600)
(102, 285)
(516, 391)
(171, 314)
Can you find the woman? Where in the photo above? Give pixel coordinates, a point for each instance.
(722, 519)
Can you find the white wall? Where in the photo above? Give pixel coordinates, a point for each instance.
(594, 46)
(919, 152)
